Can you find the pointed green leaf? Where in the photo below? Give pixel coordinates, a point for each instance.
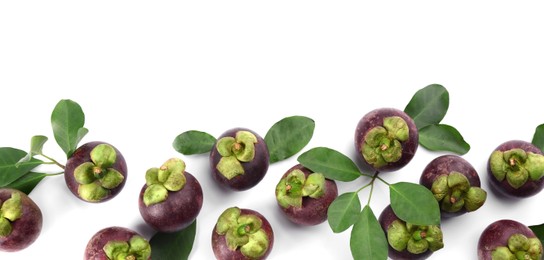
(176, 245)
(539, 231)
(67, 119)
(36, 145)
(367, 237)
(27, 182)
(288, 136)
(538, 137)
(343, 211)
(414, 204)
(193, 142)
(333, 164)
(428, 105)
(9, 169)
(443, 138)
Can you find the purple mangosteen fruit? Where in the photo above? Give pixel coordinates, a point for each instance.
(96, 172)
(516, 168)
(408, 241)
(304, 196)
(455, 184)
(386, 139)
(239, 159)
(117, 243)
(171, 198)
(508, 239)
(20, 220)
(242, 234)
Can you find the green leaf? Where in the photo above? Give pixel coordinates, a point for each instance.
(367, 237)
(28, 182)
(331, 163)
(9, 170)
(36, 145)
(67, 121)
(414, 204)
(539, 231)
(343, 211)
(428, 105)
(175, 245)
(443, 138)
(288, 136)
(538, 137)
(193, 142)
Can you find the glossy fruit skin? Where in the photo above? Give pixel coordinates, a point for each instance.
(221, 250)
(497, 234)
(386, 218)
(255, 170)
(375, 118)
(443, 165)
(313, 211)
(530, 188)
(94, 249)
(26, 229)
(179, 209)
(82, 155)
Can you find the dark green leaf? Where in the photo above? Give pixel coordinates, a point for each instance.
(331, 163)
(443, 138)
(27, 183)
(367, 237)
(538, 138)
(539, 232)
(176, 245)
(9, 171)
(288, 136)
(343, 211)
(36, 145)
(414, 204)
(193, 142)
(67, 121)
(428, 105)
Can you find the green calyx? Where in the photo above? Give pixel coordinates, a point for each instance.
(516, 166)
(291, 189)
(137, 248)
(169, 177)
(382, 144)
(96, 178)
(10, 211)
(243, 232)
(519, 247)
(234, 151)
(453, 192)
(415, 239)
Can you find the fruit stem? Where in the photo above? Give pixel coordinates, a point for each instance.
(53, 161)
(372, 187)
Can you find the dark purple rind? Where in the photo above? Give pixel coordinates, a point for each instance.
(497, 234)
(530, 188)
(313, 211)
(386, 218)
(375, 118)
(82, 155)
(254, 170)
(27, 228)
(178, 211)
(94, 249)
(221, 250)
(444, 165)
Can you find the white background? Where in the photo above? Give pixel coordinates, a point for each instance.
(145, 71)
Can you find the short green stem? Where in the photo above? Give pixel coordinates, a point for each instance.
(53, 161)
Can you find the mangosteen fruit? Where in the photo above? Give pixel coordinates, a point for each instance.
(171, 198)
(455, 184)
(242, 234)
(239, 159)
(515, 169)
(386, 139)
(20, 220)
(96, 172)
(508, 239)
(304, 196)
(408, 241)
(117, 243)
